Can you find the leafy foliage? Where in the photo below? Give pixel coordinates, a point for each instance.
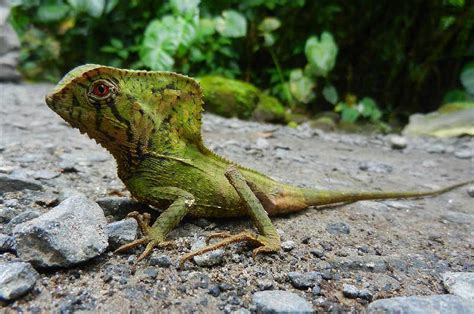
(312, 55)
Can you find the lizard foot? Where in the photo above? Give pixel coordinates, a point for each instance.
(150, 237)
(264, 244)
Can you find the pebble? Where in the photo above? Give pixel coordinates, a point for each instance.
(70, 233)
(16, 279)
(470, 191)
(338, 228)
(375, 167)
(317, 253)
(7, 243)
(301, 280)
(163, 261)
(208, 259)
(288, 245)
(460, 284)
(7, 214)
(121, 232)
(119, 207)
(365, 294)
(463, 154)
(13, 183)
(444, 303)
(278, 301)
(215, 291)
(398, 142)
(264, 284)
(21, 218)
(316, 290)
(46, 174)
(350, 291)
(436, 149)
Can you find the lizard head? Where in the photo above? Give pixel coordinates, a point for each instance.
(126, 110)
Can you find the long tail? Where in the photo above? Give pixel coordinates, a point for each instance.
(324, 197)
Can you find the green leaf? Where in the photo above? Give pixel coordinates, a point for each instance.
(321, 54)
(207, 27)
(268, 39)
(231, 24)
(301, 86)
(93, 8)
(52, 12)
(467, 77)
(269, 24)
(166, 38)
(349, 114)
(456, 3)
(330, 94)
(185, 8)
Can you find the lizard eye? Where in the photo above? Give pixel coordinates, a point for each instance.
(100, 89)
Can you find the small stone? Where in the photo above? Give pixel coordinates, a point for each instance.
(304, 280)
(214, 291)
(262, 143)
(119, 207)
(7, 243)
(350, 291)
(365, 294)
(316, 290)
(445, 303)
(398, 142)
(21, 218)
(460, 284)
(288, 245)
(202, 222)
(338, 228)
(16, 279)
(470, 191)
(162, 261)
(13, 183)
(121, 232)
(463, 154)
(278, 302)
(317, 253)
(264, 284)
(150, 272)
(375, 167)
(7, 214)
(437, 148)
(46, 174)
(70, 233)
(208, 259)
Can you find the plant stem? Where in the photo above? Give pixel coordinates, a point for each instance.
(280, 74)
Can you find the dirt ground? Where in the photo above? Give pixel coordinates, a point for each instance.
(392, 248)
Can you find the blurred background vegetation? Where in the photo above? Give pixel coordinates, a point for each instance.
(364, 61)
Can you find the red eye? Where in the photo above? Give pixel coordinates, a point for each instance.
(101, 90)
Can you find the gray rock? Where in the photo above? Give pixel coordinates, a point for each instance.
(398, 142)
(121, 232)
(7, 214)
(161, 261)
(463, 153)
(338, 228)
(447, 124)
(375, 167)
(46, 174)
(262, 143)
(460, 284)
(470, 191)
(7, 243)
(316, 252)
(364, 263)
(288, 245)
(119, 207)
(350, 291)
(13, 183)
(277, 301)
(420, 305)
(436, 148)
(365, 294)
(16, 279)
(304, 280)
(21, 218)
(208, 259)
(70, 233)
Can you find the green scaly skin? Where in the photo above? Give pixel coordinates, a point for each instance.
(151, 123)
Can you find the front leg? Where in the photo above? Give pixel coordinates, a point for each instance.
(268, 239)
(155, 235)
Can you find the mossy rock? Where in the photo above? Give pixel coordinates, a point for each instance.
(234, 98)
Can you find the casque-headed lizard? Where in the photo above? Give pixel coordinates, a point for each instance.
(151, 123)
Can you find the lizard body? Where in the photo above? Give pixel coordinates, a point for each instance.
(151, 123)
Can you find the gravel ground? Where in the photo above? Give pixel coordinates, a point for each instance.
(337, 258)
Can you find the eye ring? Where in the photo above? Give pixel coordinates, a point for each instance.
(101, 90)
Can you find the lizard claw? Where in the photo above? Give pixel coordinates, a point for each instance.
(149, 238)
